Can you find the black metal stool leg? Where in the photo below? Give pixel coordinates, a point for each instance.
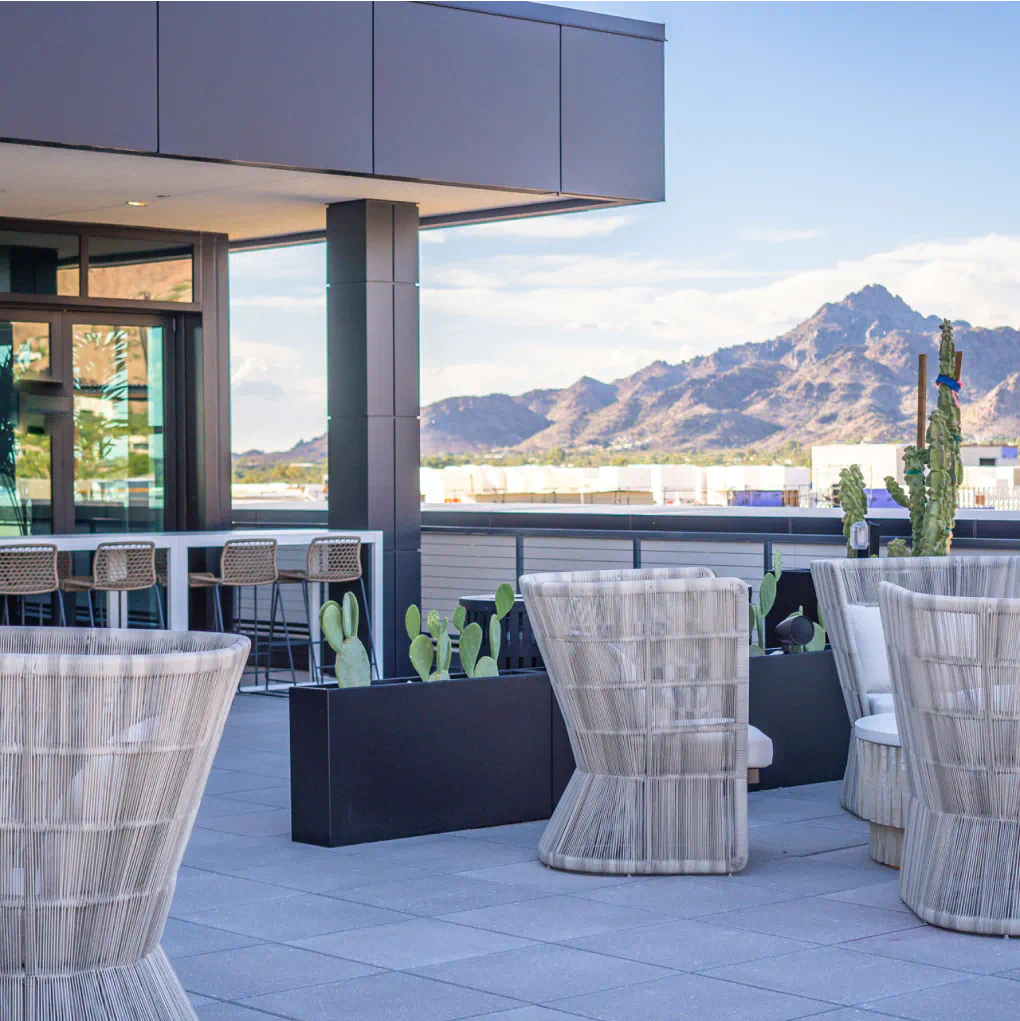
(312, 668)
(368, 624)
(159, 608)
(286, 633)
(92, 613)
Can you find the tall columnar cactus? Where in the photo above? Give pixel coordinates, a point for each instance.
(931, 497)
(853, 499)
(339, 626)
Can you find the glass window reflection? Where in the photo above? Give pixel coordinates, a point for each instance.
(39, 263)
(140, 270)
(118, 427)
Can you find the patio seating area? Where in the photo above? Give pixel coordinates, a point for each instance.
(471, 925)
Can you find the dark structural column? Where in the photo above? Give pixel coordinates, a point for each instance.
(372, 373)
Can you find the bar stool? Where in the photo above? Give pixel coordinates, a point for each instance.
(29, 571)
(331, 559)
(118, 567)
(244, 563)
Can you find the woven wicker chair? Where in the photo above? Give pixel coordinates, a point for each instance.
(848, 597)
(29, 571)
(650, 670)
(334, 559)
(106, 740)
(128, 566)
(956, 681)
(249, 563)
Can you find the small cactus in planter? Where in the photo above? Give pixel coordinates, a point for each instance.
(471, 637)
(437, 645)
(757, 612)
(339, 626)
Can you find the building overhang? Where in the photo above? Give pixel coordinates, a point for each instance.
(254, 205)
(249, 119)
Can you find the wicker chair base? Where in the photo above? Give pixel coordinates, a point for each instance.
(885, 844)
(147, 990)
(882, 786)
(850, 796)
(648, 826)
(960, 872)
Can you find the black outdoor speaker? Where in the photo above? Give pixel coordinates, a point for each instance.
(794, 631)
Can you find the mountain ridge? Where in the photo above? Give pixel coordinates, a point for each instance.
(848, 372)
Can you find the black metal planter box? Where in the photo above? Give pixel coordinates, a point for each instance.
(399, 760)
(797, 701)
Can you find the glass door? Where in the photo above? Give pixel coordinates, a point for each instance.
(117, 373)
(31, 408)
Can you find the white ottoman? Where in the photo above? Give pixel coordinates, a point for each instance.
(883, 785)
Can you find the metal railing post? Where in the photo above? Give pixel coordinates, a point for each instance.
(519, 554)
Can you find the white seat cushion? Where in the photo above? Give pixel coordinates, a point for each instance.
(869, 640)
(759, 749)
(880, 702)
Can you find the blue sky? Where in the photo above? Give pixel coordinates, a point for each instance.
(811, 149)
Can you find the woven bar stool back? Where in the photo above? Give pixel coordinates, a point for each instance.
(124, 566)
(28, 570)
(107, 738)
(955, 665)
(248, 562)
(334, 559)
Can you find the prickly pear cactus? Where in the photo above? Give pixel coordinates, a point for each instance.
(852, 499)
(339, 626)
(766, 600)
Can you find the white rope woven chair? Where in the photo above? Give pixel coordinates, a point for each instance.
(650, 670)
(847, 593)
(956, 682)
(106, 740)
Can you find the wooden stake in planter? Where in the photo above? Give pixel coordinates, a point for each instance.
(922, 398)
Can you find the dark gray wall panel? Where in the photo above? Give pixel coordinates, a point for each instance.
(285, 83)
(466, 97)
(613, 115)
(79, 73)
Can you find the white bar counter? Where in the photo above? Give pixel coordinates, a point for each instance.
(178, 544)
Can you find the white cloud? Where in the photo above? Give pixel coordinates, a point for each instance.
(977, 280)
(566, 226)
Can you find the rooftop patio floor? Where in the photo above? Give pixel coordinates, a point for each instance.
(471, 925)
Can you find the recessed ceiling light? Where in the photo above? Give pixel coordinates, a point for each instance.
(135, 202)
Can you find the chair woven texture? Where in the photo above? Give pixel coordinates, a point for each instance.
(124, 566)
(955, 666)
(242, 562)
(106, 740)
(28, 570)
(335, 558)
(650, 669)
(840, 583)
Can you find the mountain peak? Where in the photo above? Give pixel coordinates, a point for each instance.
(875, 303)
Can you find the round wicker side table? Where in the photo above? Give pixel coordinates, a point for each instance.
(883, 785)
